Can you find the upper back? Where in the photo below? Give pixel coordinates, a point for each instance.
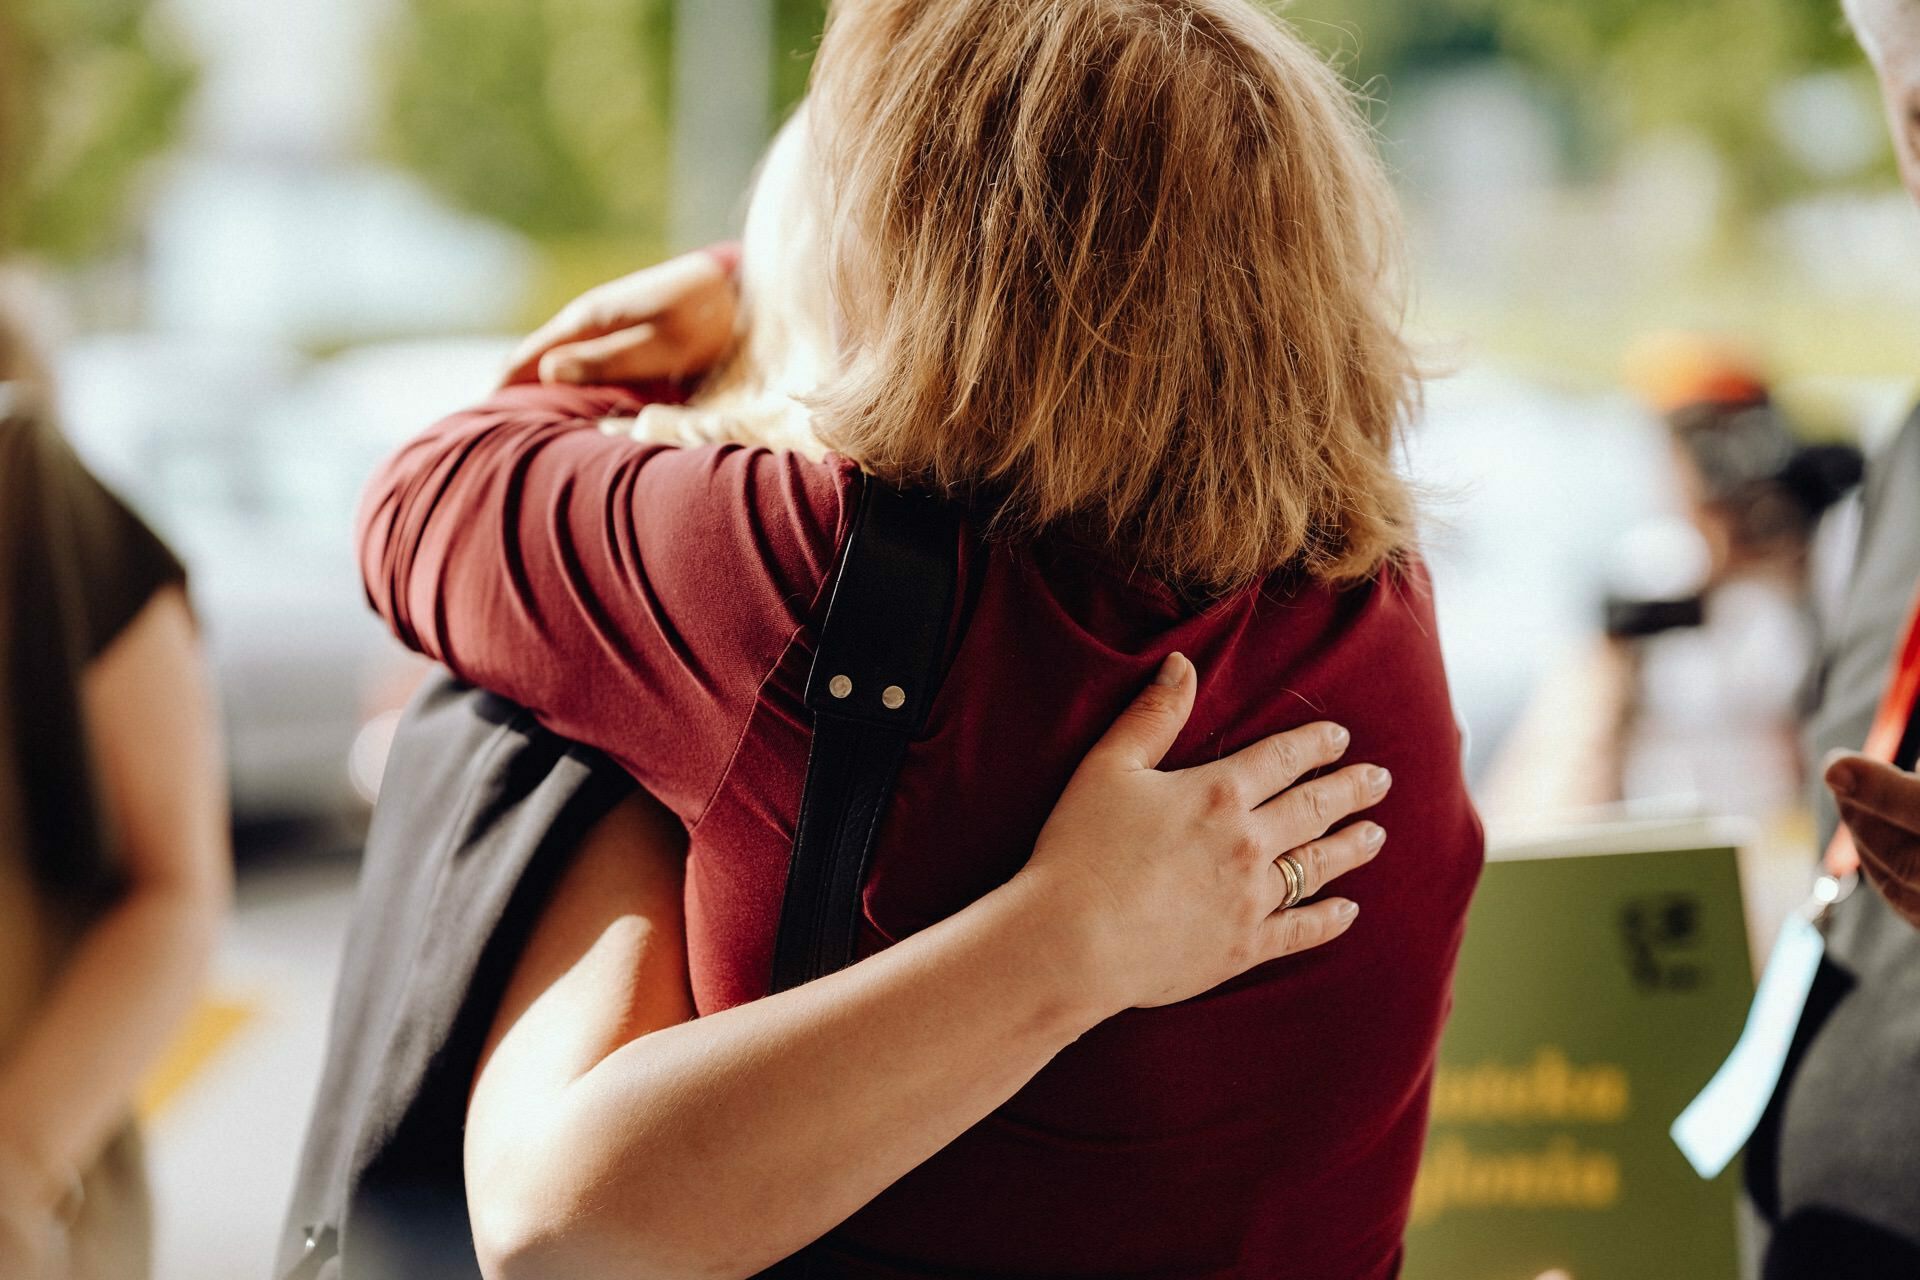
(1307, 1068)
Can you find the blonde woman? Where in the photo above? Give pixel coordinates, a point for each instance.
(1114, 277)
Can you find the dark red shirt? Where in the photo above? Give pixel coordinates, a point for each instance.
(658, 603)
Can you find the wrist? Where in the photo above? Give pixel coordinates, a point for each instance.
(1065, 950)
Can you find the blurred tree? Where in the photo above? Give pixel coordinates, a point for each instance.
(89, 89)
(552, 115)
(1623, 67)
(797, 27)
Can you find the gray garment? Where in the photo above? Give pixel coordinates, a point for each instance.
(1848, 1115)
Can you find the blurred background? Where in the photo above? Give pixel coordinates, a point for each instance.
(269, 241)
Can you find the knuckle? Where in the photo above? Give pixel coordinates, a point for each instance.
(1136, 720)
(1222, 795)
(1154, 700)
(1315, 862)
(1283, 754)
(1248, 849)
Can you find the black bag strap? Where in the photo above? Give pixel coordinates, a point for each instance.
(877, 669)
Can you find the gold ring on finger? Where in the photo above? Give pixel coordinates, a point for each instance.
(1296, 881)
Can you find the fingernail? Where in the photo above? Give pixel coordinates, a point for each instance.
(568, 371)
(1842, 778)
(1340, 738)
(1172, 671)
(1379, 779)
(1374, 837)
(1346, 909)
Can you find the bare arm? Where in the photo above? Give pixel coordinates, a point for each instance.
(607, 1135)
(70, 1082)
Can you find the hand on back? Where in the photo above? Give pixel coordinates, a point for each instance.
(674, 320)
(1168, 884)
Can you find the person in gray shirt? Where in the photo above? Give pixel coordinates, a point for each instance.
(1835, 1167)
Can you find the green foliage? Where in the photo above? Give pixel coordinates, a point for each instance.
(547, 115)
(552, 115)
(797, 27)
(1622, 67)
(89, 89)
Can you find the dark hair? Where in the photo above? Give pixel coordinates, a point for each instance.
(1819, 475)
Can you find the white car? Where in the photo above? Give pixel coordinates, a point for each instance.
(251, 461)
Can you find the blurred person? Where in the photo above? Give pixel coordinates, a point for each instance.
(1717, 677)
(114, 858)
(1752, 487)
(1116, 279)
(1696, 688)
(1835, 1166)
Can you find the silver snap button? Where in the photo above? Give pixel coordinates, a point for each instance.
(894, 697)
(840, 687)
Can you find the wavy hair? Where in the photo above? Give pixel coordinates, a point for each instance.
(1124, 266)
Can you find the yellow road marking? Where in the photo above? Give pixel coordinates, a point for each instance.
(209, 1029)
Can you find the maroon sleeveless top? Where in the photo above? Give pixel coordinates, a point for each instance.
(659, 603)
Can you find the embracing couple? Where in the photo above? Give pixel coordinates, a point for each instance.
(1141, 984)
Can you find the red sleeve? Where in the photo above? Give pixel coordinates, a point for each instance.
(634, 597)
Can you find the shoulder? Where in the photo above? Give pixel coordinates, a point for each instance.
(1384, 634)
(816, 497)
(1889, 521)
(33, 451)
(1398, 599)
(779, 508)
(75, 546)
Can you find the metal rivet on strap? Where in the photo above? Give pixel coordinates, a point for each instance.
(840, 687)
(894, 697)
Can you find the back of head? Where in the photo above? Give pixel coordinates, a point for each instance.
(1123, 265)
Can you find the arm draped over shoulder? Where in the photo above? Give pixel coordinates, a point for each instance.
(632, 596)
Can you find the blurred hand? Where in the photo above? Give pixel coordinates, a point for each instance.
(675, 320)
(1168, 884)
(1881, 806)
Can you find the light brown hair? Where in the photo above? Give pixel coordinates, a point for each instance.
(1127, 266)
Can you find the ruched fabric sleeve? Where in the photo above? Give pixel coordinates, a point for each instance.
(634, 597)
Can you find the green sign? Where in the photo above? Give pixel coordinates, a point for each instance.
(1597, 992)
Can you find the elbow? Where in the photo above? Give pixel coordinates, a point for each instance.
(194, 915)
(520, 1234)
(192, 904)
(522, 1231)
(513, 1241)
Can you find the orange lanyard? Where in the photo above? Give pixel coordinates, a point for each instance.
(1890, 726)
